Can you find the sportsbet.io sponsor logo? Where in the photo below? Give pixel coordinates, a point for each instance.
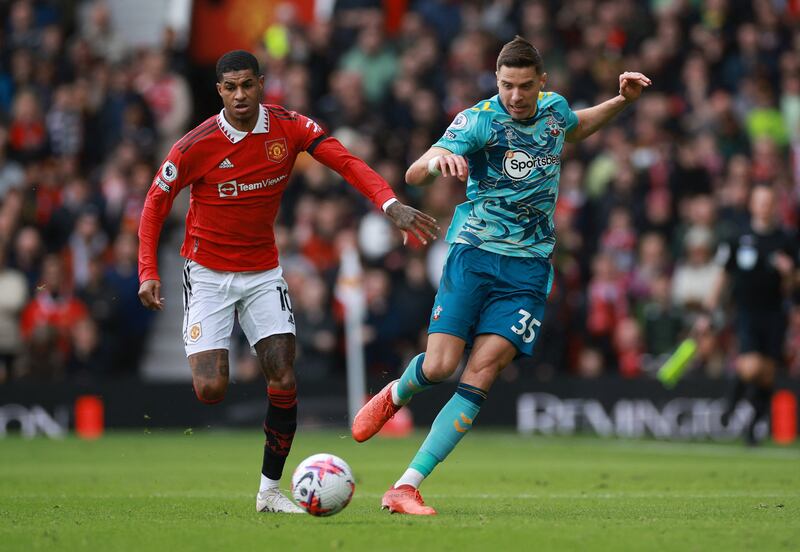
(518, 164)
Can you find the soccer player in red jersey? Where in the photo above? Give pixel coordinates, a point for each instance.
(238, 165)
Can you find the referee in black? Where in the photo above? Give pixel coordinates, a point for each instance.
(759, 262)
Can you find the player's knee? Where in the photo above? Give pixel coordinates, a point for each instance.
(438, 368)
(748, 366)
(283, 379)
(211, 391)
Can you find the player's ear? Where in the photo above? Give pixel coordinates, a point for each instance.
(543, 81)
(219, 89)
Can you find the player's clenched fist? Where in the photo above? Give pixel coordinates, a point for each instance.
(150, 295)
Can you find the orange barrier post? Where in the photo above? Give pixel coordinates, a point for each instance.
(784, 417)
(89, 417)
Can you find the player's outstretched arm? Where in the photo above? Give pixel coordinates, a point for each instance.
(436, 162)
(334, 155)
(423, 227)
(592, 119)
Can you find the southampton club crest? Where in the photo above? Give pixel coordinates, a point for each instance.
(552, 126)
(276, 150)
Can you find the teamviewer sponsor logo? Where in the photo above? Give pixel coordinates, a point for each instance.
(518, 164)
(228, 189)
(232, 188)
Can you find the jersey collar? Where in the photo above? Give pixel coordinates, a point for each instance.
(235, 135)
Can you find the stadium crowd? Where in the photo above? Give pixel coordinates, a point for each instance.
(85, 120)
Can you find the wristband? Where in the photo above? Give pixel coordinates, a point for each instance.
(387, 203)
(433, 168)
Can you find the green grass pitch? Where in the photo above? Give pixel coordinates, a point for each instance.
(497, 491)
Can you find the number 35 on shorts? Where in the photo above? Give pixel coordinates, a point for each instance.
(526, 326)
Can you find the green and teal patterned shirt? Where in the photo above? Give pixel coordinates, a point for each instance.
(514, 167)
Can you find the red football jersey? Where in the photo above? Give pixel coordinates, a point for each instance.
(237, 180)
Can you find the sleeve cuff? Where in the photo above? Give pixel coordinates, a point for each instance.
(388, 202)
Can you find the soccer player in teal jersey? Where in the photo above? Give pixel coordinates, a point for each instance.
(497, 276)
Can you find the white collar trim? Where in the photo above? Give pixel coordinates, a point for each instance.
(235, 135)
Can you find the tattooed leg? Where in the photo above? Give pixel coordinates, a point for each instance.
(210, 375)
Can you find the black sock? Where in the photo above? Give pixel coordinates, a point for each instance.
(279, 427)
(736, 392)
(760, 399)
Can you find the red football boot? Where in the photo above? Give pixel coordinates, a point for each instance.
(405, 499)
(374, 414)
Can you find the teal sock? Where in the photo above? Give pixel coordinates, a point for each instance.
(413, 380)
(452, 423)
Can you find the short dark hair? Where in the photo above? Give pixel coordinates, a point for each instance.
(520, 53)
(237, 60)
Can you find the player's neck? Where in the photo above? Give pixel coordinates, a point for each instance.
(243, 125)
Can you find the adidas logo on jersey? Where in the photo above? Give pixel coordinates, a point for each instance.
(226, 164)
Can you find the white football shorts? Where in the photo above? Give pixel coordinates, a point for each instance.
(210, 298)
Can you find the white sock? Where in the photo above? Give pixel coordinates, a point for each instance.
(267, 483)
(395, 397)
(411, 477)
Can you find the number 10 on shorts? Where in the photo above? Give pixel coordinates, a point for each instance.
(526, 329)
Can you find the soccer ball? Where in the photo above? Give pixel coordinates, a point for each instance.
(322, 484)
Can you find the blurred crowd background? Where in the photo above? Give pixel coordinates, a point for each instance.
(86, 118)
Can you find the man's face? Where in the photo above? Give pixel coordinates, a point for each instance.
(519, 90)
(241, 92)
(762, 203)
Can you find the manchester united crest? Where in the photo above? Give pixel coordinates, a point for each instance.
(276, 150)
(195, 331)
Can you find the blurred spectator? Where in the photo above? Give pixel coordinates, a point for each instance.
(380, 329)
(653, 262)
(662, 321)
(374, 61)
(64, 123)
(86, 242)
(13, 296)
(11, 174)
(629, 347)
(48, 318)
(99, 33)
(606, 303)
(168, 96)
(27, 133)
(106, 311)
(86, 361)
(27, 254)
(134, 322)
(694, 277)
(22, 31)
(317, 333)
